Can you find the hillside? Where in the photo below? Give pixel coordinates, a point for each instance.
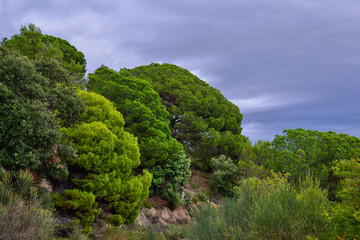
(154, 152)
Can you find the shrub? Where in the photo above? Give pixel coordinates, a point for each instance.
(200, 196)
(169, 179)
(82, 204)
(116, 233)
(21, 212)
(225, 175)
(175, 232)
(346, 213)
(266, 209)
(206, 225)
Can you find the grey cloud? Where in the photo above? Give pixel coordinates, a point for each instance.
(303, 53)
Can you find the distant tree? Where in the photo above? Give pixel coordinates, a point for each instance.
(202, 119)
(299, 151)
(32, 43)
(103, 169)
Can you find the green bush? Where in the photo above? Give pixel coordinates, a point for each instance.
(116, 233)
(200, 196)
(148, 120)
(30, 136)
(206, 225)
(346, 212)
(266, 209)
(225, 175)
(170, 178)
(82, 204)
(32, 43)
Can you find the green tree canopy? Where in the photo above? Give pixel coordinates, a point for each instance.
(202, 119)
(32, 43)
(299, 151)
(147, 119)
(145, 116)
(106, 157)
(36, 95)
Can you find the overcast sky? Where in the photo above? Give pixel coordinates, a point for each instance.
(285, 63)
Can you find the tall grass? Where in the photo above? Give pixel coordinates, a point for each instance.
(22, 213)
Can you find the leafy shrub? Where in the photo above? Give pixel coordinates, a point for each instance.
(148, 120)
(266, 209)
(169, 179)
(115, 233)
(82, 204)
(32, 43)
(225, 175)
(346, 213)
(30, 136)
(175, 232)
(200, 196)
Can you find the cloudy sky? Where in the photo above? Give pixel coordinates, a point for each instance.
(285, 63)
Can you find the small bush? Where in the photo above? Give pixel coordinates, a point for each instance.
(83, 203)
(175, 232)
(21, 212)
(200, 196)
(148, 204)
(225, 175)
(116, 233)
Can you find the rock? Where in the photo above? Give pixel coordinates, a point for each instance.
(163, 216)
(46, 184)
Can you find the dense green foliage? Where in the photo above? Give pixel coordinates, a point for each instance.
(346, 213)
(144, 115)
(258, 153)
(25, 209)
(32, 43)
(147, 119)
(266, 209)
(225, 175)
(170, 178)
(36, 95)
(299, 151)
(80, 203)
(102, 171)
(202, 119)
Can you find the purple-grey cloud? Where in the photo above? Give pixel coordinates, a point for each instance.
(286, 64)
